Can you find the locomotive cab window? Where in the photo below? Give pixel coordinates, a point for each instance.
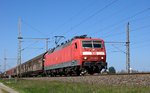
(87, 44)
(91, 44)
(97, 44)
(75, 46)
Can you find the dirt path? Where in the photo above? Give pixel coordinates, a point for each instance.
(9, 90)
(1, 91)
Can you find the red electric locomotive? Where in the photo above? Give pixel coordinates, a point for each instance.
(79, 56)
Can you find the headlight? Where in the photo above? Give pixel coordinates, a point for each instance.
(102, 57)
(85, 58)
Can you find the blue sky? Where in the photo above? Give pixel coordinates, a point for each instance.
(106, 19)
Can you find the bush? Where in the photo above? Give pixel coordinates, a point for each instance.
(112, 70)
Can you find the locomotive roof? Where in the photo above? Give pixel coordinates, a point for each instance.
(68, 42)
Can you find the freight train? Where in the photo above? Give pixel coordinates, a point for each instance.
(77, 56)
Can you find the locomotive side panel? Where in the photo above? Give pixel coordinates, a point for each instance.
(58, 59)
(76, 52)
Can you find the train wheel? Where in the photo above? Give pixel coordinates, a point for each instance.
(91, 72)
(78, 73)
(83, 72)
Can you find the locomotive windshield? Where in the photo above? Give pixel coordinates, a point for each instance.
(92, 44)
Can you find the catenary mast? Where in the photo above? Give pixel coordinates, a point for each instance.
(19, 49)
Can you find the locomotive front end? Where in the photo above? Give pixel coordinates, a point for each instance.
(93, 55)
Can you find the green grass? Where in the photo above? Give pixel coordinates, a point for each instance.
(28, 86)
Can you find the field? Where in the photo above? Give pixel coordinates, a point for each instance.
(40, 86)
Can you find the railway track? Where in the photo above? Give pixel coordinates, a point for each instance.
(137, 79)
(141, 73)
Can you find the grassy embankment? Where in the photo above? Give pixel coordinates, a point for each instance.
(28, 86)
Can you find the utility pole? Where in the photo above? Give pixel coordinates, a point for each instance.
(19, 49)
(128, 50)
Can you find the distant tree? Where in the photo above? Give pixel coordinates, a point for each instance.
(111, 70)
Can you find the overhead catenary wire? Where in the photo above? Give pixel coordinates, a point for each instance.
(35, 29)
(91, 16)
(74, 16)
(141, 18)
(131, 21)
(106, 18)
(123, 20)
(30, 45)
(119, 22)
(118, 49)
(115, 34)
(31, 54)
(142, 43)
